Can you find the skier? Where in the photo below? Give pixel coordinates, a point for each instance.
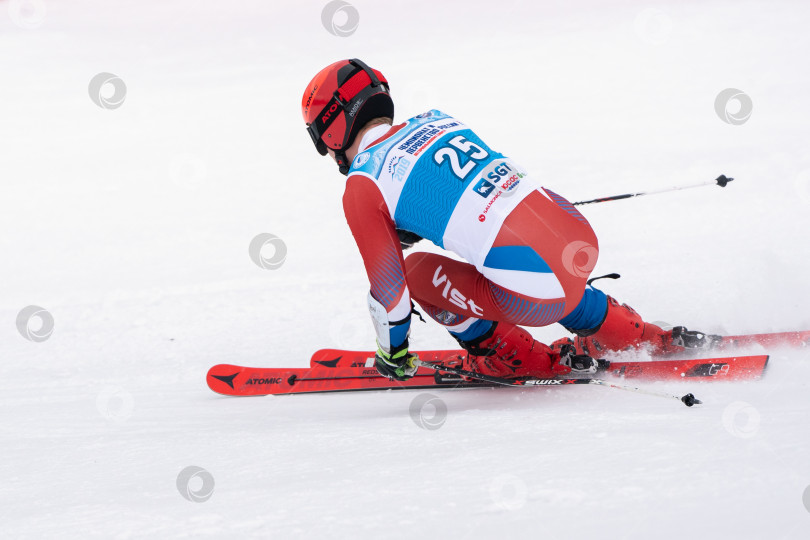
(528, 251)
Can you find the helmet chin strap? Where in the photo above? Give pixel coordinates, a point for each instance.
(343, 162)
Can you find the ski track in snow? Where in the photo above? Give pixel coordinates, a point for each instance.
(131, 227)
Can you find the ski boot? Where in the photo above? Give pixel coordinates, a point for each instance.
(510, 352)
(624, 329)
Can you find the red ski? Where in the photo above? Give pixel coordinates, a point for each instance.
(796, 339)
(745, 343)
(233, 380)
(730, 367)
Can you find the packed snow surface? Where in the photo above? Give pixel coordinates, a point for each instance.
(130, 226)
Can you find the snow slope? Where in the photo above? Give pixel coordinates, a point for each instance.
(131, 227)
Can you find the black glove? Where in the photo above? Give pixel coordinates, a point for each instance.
(407, 238)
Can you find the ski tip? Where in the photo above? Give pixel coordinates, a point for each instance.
(690, 399)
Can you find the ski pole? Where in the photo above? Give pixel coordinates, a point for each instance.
(721, 181)
(688, 399)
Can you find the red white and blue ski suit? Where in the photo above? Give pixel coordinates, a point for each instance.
(528, 251)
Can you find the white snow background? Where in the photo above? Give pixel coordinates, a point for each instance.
(131, 227)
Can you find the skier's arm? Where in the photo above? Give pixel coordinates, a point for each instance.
(376, 237)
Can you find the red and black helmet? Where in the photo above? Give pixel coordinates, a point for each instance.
(339, 101)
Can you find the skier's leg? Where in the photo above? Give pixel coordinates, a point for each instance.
(545, 249)
(589, 313)
(482, 317)
(458, 287)
(534, 273)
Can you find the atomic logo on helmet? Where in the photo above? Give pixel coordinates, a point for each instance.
(341, 99)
